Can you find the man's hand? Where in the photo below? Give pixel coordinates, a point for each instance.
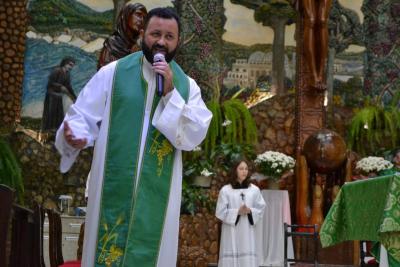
(78, 143)
(243, 210)
(163, 68)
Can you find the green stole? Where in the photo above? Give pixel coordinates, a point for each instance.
(131, 219)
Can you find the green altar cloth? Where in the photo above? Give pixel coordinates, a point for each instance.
(366, 210)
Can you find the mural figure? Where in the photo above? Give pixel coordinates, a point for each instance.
(58, 88)
(316, 13)
(126, 38)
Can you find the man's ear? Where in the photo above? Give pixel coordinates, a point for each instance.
(141, 33)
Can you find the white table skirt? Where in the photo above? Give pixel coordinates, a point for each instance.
(270, 232)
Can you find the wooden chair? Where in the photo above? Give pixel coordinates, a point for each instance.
(6, 200)
(55, 238)
(293, 230)
(38, 221)
(22, 237)
(55, 241)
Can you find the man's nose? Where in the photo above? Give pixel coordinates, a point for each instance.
(161, 41)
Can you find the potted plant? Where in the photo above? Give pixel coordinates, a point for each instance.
(273, 165)
(194, 198)
(376, 126)
(372, 166)
(10, 171)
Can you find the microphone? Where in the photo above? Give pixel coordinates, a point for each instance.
(158, 57)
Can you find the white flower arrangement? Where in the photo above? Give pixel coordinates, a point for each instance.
(274, 164)
(197, 148)
(206, 172)
(226, 123)
(373, 164)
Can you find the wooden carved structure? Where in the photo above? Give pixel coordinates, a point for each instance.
(320, 151)
(312, 47)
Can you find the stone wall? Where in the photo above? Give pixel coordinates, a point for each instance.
(13, 17)
(275, 123)
(198, 240)
(40, 169)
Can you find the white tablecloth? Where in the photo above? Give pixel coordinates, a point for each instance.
(270, 231)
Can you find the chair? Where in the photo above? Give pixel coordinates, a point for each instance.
(22, 237)
(6, 200)
(366, 259)
(294, 232)
(38, 221)
(55, 242)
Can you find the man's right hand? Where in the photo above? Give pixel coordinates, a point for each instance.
(77, 143)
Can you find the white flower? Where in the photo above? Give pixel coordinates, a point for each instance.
(197, 148)
(206, 172)
(272, 163)
(226, 123)
(373, 164)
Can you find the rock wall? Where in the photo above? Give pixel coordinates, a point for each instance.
(198, 240)
(275, 123)
(13, 17)
(40, 168)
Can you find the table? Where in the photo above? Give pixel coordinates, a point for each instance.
(270, 231)
(366, 210)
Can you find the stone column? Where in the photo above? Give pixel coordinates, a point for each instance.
(13, 19)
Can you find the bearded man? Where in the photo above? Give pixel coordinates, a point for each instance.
(136, 175)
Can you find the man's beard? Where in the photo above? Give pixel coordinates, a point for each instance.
(148, 52)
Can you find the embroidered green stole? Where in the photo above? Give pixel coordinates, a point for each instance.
(132, 217)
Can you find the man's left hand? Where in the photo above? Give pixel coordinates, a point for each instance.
(164, 69)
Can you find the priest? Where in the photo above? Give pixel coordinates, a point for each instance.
(136, 174)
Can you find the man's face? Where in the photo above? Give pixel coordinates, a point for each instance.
(161, 36)
(68, 67)
(136, 21)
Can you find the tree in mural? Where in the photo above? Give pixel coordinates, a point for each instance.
(381, 31)
(344, 29)
(200, 54)
(275, 14)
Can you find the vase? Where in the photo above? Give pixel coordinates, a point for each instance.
(273, 184)
(202, 181)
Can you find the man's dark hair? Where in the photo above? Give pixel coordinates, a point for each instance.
(67, 60)
(165, 13)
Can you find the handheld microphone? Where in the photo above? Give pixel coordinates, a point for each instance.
(158, 57)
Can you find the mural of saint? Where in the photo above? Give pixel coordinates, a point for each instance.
(58, 87)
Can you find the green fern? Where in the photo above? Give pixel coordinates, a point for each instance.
(10, 172)
(241, 130)
(374, 127)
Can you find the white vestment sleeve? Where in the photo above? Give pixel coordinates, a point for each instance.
(223, 211)
(183, 124)
(259, 205)
(84, 115)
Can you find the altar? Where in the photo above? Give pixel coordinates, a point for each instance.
(367, 210)
(270, 231)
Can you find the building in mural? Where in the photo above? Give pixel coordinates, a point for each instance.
(246, 72)
(344, 69)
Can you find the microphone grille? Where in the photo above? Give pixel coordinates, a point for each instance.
(158, 57)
